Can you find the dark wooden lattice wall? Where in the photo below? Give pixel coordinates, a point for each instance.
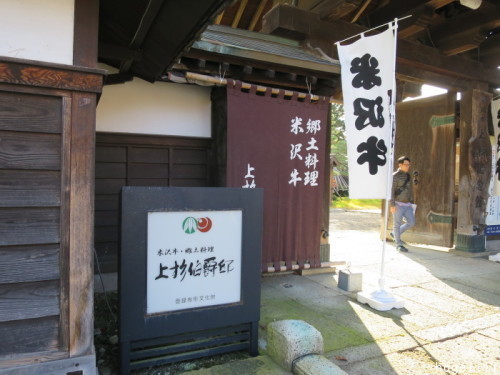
(140, 160)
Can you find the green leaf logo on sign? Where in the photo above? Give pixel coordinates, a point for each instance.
(191, 224)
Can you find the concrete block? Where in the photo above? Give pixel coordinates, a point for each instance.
(350, 281)
(288, 340)
(316, 365)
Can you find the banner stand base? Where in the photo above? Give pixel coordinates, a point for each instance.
(494, 258)
(382, 299)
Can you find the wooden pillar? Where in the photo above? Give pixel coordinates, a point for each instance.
(474, 169)
(81, 224)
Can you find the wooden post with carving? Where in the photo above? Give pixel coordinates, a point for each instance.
(475, 170)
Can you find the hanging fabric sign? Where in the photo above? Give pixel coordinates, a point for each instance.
(495, 116)
(279, 144)
(367, 70)
(493, 207)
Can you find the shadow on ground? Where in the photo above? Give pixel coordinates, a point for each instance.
(449, 325)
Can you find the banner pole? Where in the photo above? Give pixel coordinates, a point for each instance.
(373, 28)
(388, 190)
(382, 299)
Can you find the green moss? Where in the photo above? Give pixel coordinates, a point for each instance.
(335, 336)
(261, 365)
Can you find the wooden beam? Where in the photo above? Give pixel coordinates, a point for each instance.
(140, 34)
(47, 75)
(116, 52)
(257, 14)
(436, 4)
(270, 73)
(411, 89)
(218, 19)
(489, 53)
(202, 63)
(239, 13)
(262, 61)
(421, 16)
(85, 33)
(466, 31)
(430, 59)
(462, 42)
(118, 78)
(247, 69)
(334, 9)
(360, 10)
(394, 9)
(326, 88)
(410, 54)
(419, 76)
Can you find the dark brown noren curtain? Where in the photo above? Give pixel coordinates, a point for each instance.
(278, 144)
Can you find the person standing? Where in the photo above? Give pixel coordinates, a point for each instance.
(402, 202)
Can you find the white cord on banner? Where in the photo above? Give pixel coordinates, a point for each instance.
(309, 86)
(221, 74)
(362, 34)
(323, 54)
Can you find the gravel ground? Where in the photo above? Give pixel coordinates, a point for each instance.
(107, 351)
(359, 220)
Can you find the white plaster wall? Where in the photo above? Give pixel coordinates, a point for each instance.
(158, 108)
(37, 30)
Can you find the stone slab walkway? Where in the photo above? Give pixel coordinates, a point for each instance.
(450, 323)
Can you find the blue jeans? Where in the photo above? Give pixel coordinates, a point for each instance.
(405, 212)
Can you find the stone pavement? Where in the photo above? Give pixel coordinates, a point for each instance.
(450, 323)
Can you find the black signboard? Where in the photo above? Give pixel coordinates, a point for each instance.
(189, 279)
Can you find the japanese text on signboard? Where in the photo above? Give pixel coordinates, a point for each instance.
(194, 259)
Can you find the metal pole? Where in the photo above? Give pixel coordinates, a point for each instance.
(388, 192)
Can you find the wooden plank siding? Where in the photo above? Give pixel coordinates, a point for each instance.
(30, 188)
(39, 114)
(29, 336)
(29, 263)
(47, 142)
(138, 160)
(23, 226)
(29, 300)
(31, 131)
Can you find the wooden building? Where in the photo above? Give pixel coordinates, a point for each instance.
(50, 85)
(53, 163)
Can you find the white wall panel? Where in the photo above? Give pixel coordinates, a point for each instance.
(158, 108)
(37, 30)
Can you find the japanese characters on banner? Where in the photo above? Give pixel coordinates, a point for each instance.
(367, 70)
(495, 116)
(279, 144)
(196, 257)
(305, 150)
(493, 207)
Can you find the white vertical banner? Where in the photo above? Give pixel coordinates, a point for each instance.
(495, 116)
(368, 86)
(493, 206)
